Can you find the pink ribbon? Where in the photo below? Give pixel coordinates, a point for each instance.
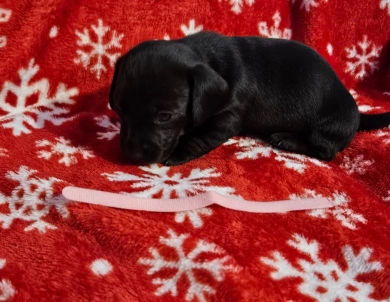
(191, 203)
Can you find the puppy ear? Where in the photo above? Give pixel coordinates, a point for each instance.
(113, 83)
(210, 90)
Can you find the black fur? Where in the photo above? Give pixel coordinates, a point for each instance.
(178, 100)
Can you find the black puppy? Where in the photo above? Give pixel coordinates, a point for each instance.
(177, 100)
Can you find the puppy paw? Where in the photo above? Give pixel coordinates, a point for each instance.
(285, 140)
(176, 159)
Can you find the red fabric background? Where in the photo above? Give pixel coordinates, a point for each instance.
(50, 247)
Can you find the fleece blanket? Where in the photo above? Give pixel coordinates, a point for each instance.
(56, 130)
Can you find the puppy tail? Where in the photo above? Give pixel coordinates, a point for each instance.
(374, 121)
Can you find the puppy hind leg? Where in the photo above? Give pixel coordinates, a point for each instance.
(313, 145)
(326, 144)
(290, 142)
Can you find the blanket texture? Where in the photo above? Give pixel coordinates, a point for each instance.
(56, 129)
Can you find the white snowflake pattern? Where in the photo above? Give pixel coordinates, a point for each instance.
(100, 49)
(253, 148)
(7, 291)
(385, 3)
(45, 108)
(112, 129)
(191, 29)
(354, 94)
(307, 4)
(326, 281)
(274, 31)
(63, 148)
(329, 49)
(5, 14)
(356, 165)
(101, 267)
(3, 152)
(363, 58)
(362, 107)
(366, 108)
(340, 210)
(31, 200)
(388, 196)
(53, 32)
(186, 266)
(384, 135)
(194, 216)
(158, 181)
(237, 5)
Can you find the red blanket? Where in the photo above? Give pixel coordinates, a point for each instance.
(56, 130)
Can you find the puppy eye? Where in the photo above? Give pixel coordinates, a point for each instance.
(164, 117)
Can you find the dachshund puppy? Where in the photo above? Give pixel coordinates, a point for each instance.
(177, 100)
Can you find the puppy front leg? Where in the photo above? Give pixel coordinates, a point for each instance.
(205, 138)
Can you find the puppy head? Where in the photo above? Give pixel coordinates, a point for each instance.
(160, 90)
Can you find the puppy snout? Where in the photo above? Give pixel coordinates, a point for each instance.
(141, 150)
(148, 147)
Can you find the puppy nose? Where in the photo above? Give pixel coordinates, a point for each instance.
(148, 147)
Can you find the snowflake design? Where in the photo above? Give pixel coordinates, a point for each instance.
(191, 29)
(237, 5)
(307, 4)
(112, 129)
(185, 265)
(99, 50)
(187, 30)
(340, 210)
(354, 94)
(326, 281)
(363, 59)
(356, 165)
(45, 108)
(366, 108)
(5, 14)
(3, 152)
(329, 49)
(158, 181)
(101, 267)
(53, 32)
(62, 148)
(385, 3)
(252, 149)
(274, 31)
(385, 135)
(388, 196)
(194, 216)
(31, 200)
(362, 107)
(7, 291)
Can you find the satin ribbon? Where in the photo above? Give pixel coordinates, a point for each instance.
(121, 201)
